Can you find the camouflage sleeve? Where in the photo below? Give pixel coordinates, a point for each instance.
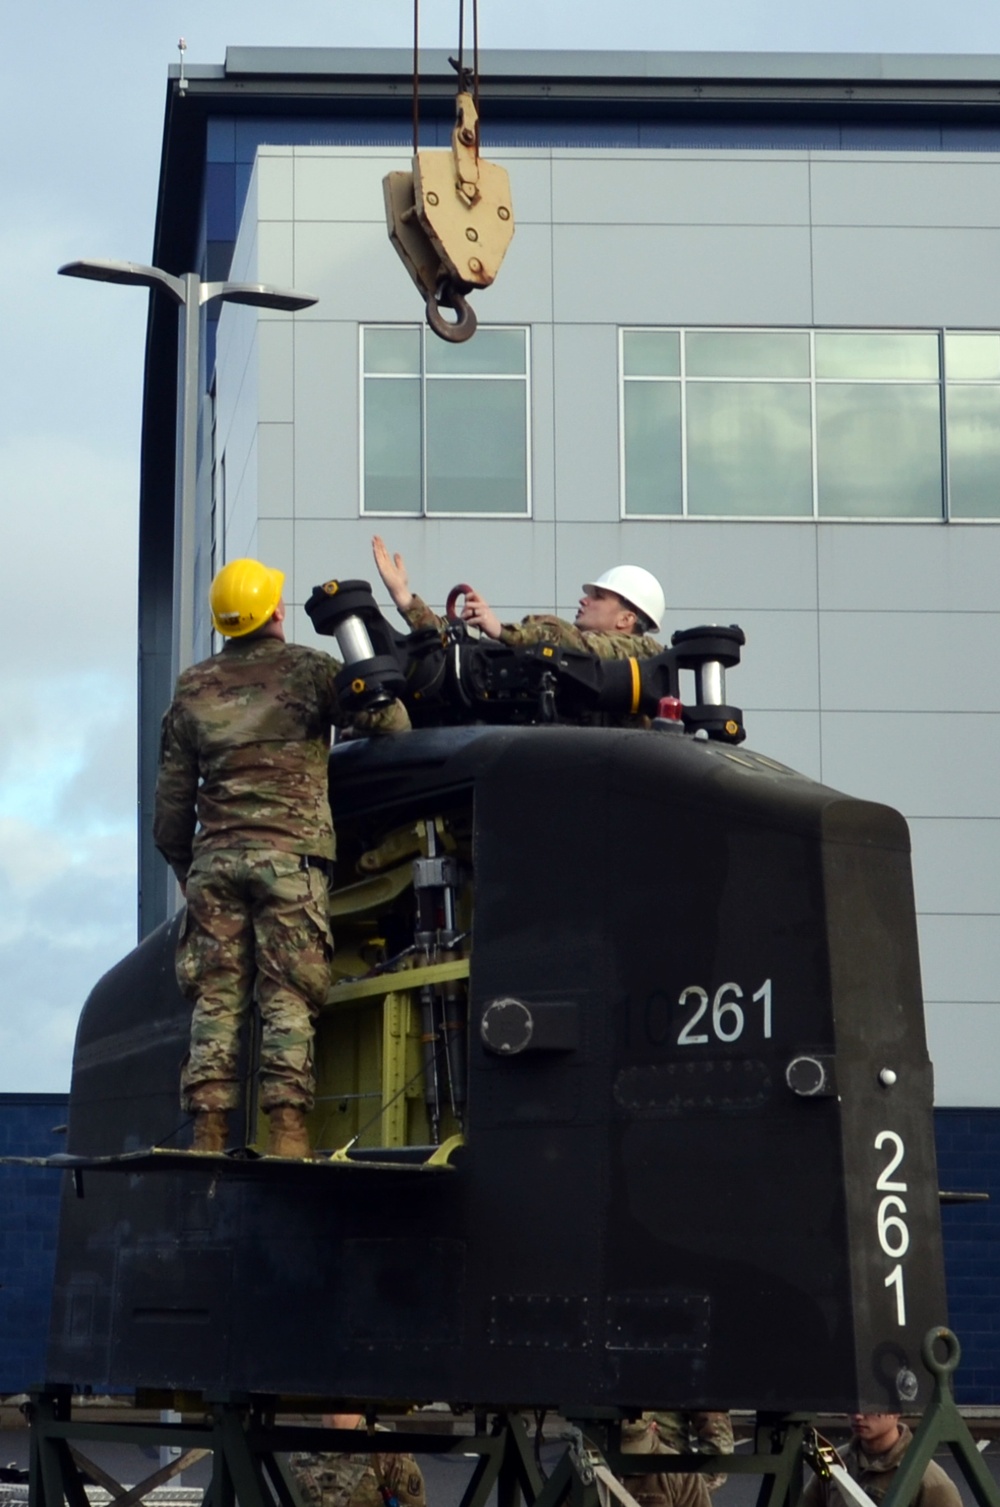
(419, 615)
(713, 1433)
(671, 1426)
(401, 1476)
(545, 629)
(174, 813)
(387, 719)
(542, 629)
(303, 1472)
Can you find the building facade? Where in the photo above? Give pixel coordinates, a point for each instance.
(747, 335)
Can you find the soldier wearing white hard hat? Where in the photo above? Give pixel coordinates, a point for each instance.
(617, 615)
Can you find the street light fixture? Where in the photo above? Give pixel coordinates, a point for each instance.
(158, 899)
(190, 294)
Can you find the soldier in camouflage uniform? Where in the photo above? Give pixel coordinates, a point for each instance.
(872, 1459)
(676, 1489)
(367, 1479)
(243, 818)
(700, 1433)
(607, 623)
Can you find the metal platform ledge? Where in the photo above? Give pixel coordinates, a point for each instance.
(244, 1161)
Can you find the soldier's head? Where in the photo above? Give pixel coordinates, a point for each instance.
(625, 599)
(245, 598)
(878, 1432)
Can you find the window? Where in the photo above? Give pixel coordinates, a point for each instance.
(810, 423)
(444, 427)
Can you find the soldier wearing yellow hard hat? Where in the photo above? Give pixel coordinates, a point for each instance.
(243, 818)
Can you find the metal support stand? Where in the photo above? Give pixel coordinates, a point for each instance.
(247, 1445)
(942, 1423)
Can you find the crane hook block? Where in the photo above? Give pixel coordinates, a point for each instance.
(450, 220)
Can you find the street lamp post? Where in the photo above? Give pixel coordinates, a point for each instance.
(190, 294)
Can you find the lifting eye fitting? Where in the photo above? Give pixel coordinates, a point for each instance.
(450, 220)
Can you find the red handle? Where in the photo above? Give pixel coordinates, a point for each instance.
(453, 596)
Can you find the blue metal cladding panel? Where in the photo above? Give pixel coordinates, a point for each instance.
(29, 1219)
(968, 1150)
(347, 131)
(220, 142)
(221, 213)
(961, 139)
(872, 138)
(744, 136)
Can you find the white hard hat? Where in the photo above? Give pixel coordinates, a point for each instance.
(635, 586)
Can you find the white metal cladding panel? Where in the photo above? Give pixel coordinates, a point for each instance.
(276, 543)
(691, 274)
(241, 514)
(276, 259)
(327, 419)
(747, 566)
(921, 762)
(331, 186)
(941, 191)
(884, 276)
(275, 381)
(585, 401)
(906, 567)
(960, 958)
(964, 1043)
(346, 183)
(275, 195)
(955, 864)
(353, 271)
(275, 470)
(910, 661)
(650, 189)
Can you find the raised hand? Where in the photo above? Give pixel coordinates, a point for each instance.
(392, 569)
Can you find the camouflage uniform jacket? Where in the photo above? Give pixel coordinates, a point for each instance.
(357, 1480)
(661, 1489)
(544, 629)
(702, 1433)
(875, 1474)
(243, 752)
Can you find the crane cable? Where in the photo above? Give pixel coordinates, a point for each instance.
(457, 64)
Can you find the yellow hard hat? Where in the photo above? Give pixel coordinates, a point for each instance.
(243, 597)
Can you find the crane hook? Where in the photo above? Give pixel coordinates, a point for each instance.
(447, 296)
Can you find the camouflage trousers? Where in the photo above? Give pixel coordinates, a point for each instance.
(254, 914)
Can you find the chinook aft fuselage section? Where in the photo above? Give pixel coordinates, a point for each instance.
(696, 1163)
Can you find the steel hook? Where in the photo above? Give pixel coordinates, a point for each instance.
(464, 325)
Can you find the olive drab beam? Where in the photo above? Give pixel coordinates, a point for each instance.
(246, 1443)
(942, 1423)
(450, 220)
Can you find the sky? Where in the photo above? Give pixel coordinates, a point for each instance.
(81, 112)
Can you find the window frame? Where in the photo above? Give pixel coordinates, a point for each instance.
(942, 383)
(422, 378)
